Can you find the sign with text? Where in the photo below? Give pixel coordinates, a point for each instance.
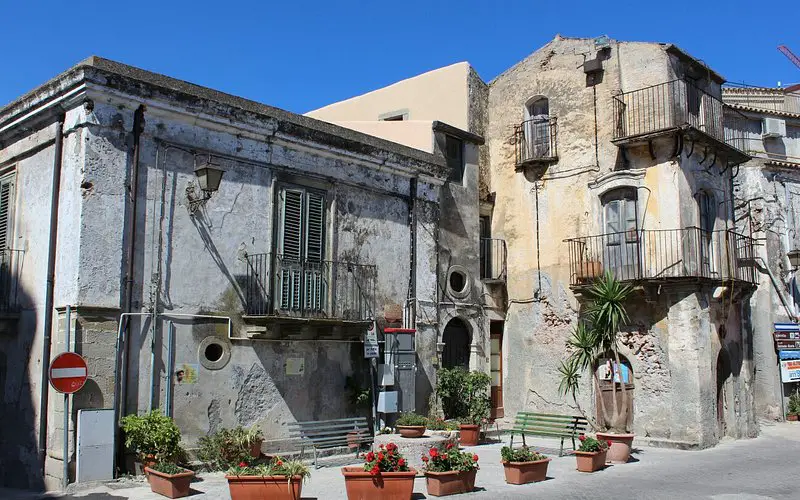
(784, 355)
(787, 335)
(790, 370)
(371, 348)
(787, 344)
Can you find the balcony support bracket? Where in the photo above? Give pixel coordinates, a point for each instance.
(691, 151)
(650, 148)
(678, 145)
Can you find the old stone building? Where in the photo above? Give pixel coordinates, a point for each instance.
(601, 156)
(767, 201)
(220, 259)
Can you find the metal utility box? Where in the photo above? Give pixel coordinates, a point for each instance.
(400, 351)
(95, 445)
(387, 402)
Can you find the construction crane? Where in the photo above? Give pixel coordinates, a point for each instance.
(796, 60)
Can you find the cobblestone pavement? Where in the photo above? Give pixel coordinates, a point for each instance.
(762, 468)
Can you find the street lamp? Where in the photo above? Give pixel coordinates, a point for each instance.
(209, 177)
(794, 258)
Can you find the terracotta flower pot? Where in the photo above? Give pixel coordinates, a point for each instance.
(590, 461)
(621, 444)
(469, 434)
(792, 417)
(148, 461)
(255, 448)
(361, 485)
(411, 431)
(259, 487)
(440, 484)
(526, 472)
(169, 485)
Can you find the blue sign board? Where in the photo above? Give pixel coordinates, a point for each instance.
(787, 327)
(786, 355)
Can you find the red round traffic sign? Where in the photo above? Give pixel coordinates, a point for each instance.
(68, 372)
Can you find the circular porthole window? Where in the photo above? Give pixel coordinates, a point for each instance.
(214, 353)
(458, 282)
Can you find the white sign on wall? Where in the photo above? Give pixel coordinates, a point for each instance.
(371, 349)
(790, 370)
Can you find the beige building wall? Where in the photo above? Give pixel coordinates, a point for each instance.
(441, 94)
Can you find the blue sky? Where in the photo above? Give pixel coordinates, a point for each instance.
(300, 55)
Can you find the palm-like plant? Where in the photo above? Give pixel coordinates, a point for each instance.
(595, 336)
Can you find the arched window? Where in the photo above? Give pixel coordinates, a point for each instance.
(620, 215)
(537, 128)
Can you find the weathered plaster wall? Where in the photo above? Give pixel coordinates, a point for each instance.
(671, 344)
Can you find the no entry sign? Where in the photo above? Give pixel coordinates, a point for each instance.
(68, 373)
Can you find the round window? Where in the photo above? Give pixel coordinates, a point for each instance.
(214, 353)
(458, 282)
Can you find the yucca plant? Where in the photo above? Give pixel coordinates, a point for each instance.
(596, 336)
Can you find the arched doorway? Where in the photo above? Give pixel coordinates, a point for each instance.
(611, 376)
(456, 340)
(723, 374)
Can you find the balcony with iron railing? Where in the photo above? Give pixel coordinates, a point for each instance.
(536, 142)
(324, 291)
(776, 100)
(10, 270)
(663, 256)
(679, 106)
(493, 256)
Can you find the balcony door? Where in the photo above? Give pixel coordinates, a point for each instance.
(707, 207)
(621, 238)
(302, 275)
(537, 128)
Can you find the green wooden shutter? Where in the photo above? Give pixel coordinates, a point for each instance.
(291, 244)
(315, 287)
(6, 206)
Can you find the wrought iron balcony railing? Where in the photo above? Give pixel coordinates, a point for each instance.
(673, 105)
(281, 286)
(493, 259)
(663, 255)
(10, 269)
(536, 140)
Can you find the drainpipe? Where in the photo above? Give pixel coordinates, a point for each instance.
(50, 287)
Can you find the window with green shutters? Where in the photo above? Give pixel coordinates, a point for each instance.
(302, 272)
(6, 210)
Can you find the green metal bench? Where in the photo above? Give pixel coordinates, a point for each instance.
(549, 425)
(322, 434)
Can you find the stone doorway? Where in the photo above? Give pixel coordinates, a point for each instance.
(456, 340)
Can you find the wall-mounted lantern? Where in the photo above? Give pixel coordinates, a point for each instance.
(794, 258)
(209, 177)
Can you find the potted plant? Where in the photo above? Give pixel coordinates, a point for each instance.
(227, 447)
(154, 437)
(254, 438)
(465, 397)
(523, 465)
(411, 425)
(277, 479)
(385, 475)
(168, 479)
(595, 338)
(449, 471)
(591, 455)
(793, 411)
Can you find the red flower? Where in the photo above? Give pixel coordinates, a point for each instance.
(424, 458)
(444, 456)
(582, 437)
(375, 470)
(391, 446)
(401, 462)
(609, 443)
(449, 445)
(381, 447)
(380, 456)
(370, 457)
(242, 464)
(474, 458)
(279, 463)
(434, 452)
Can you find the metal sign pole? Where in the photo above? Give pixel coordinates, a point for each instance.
(67, 348)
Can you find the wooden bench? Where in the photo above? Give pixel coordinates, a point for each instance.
(330, 433)
(549, 425)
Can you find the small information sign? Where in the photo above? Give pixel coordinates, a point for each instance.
(371, 348)
(790, 370)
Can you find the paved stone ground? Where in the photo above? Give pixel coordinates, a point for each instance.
(762, 468)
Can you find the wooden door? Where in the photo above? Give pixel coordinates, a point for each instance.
(496, 368)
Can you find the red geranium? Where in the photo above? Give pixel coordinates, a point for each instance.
(474, 458)
(242, 464)
(582, 437)
(392, 461)
(451, 460)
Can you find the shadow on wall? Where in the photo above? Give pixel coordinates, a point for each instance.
(19, 463)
